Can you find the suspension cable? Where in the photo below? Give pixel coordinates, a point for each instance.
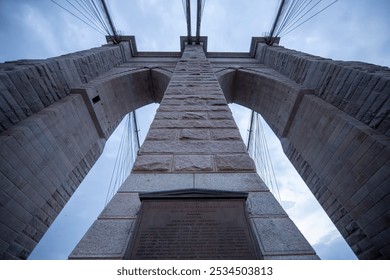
(126, 155)
(78, 17)
(188, 18)
(258, 149)
(292, 14)
(199, 14)
(94, 13)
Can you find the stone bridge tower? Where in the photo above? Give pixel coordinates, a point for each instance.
(331, 117)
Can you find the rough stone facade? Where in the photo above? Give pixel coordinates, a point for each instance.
(344, 154)
(332, 118)
(194, 143)
(46, 150)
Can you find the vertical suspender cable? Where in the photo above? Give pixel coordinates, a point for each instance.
(126, 154)
(136, 129)
(188, 15)
(110, 22)
(250, 132)
(198, 21)
(258, 149)
(271, 34)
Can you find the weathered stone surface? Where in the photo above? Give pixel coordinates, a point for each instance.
(230, 181)
(193, 147)
(219, 115)
(350, 86)
(280, 235)
(167, 116)
(339, 144)
(162, 134)
(35, 85)
(225, 134)
(260, 204)
(157, 182)
(193, 124)
(194, 116)
(193, 163)
(106, 239)
(292, 257)
(153, 163)
(122, 205)
(240, 162)
(194, 134)
(192, 108)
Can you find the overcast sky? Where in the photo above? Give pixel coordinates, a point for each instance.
(348, 30)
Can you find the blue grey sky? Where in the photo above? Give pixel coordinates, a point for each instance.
(355, 30)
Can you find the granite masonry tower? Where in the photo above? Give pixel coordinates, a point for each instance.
(194, 192)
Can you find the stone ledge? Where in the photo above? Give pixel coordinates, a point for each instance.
(157, 182)
(230, 182)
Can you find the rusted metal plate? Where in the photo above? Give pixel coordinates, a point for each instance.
(193, 229)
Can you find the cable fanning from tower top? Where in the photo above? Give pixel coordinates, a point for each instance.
(94, 13)
(293, 13)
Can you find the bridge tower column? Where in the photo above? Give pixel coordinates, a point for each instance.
(194, 158)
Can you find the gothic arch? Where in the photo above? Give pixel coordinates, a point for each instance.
(45, 156)
(322, 142)
(266, 92)
(110, 97)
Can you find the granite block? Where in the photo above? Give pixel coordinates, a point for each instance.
(243, 182)
(157, 182)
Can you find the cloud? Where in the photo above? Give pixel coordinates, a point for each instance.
(156, 27)
(287, 205)
(333, 248)
(348, 30)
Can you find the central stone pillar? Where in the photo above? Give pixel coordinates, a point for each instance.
(195, 178)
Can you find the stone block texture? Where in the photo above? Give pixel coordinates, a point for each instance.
(55, 116)
(48, 140)
(344, 153)
(332, 118)
(194, 143)
(193, 130)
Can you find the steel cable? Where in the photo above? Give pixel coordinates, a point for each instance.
(293, 13)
